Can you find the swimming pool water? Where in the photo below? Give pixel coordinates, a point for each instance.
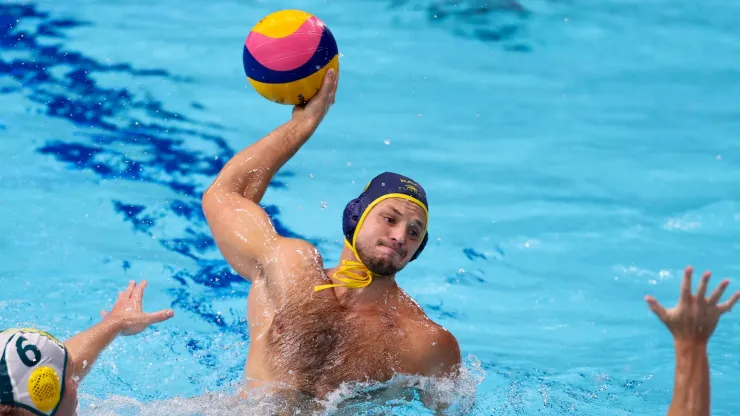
(577, 155)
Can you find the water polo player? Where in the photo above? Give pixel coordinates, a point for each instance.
(39, 374)
(310, 328)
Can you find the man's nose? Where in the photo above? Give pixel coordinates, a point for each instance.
(398, 236)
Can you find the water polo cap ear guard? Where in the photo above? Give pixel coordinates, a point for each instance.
(33, 368)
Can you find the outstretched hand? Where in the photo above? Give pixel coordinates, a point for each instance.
(318, 106)
(696, 316)
(128, 312)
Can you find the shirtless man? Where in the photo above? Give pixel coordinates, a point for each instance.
(313, 328)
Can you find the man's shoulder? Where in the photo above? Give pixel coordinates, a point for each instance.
(437, 350)
(294, 261)
(295, 252)
(437, 335)
(436, 347)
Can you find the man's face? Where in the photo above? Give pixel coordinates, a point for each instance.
(390, 235)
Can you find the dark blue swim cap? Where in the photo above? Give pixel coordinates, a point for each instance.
(385, 185)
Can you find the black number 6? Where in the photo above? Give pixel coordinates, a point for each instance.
(23, 350)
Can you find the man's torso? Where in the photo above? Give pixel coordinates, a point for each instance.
(309, 341)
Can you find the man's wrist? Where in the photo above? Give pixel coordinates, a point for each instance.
(689, 345)
(303, 126)
(690, 350)
(112, 325)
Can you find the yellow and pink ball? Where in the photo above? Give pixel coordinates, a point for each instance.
(287, 54)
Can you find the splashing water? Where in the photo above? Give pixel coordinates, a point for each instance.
(402, 394)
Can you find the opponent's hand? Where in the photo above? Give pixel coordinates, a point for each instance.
(695, 317)
(318, 106)
(127, 312)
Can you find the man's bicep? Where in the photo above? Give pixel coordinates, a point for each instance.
(241, 229)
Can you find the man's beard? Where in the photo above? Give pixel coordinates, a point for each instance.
(377, 264)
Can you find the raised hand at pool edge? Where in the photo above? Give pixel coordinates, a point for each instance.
(692, 323)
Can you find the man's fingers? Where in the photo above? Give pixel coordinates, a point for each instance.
(727, 306)
(334, 88)
(126, 293)
(656, 308)
(160, 316)
(718, 292)
(686, 284)
(139, 291)
(701, 292)
(129, 289)
(327, 86)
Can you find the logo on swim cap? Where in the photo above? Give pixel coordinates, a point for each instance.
(33, 368)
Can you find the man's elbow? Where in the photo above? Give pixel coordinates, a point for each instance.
(210, 194)
(214, 201)
(208, 203)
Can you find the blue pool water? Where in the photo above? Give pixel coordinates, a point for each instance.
(577, 155)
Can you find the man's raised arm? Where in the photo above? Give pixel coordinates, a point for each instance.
(692, 322)
(241, 228)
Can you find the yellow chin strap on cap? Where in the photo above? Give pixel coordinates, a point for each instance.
(349, 274)
(353, 274)
(33, 368)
